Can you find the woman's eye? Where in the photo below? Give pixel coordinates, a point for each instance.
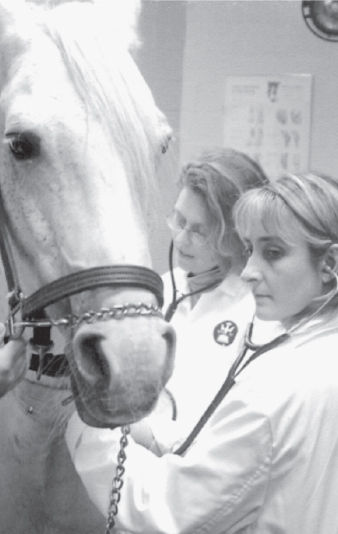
(24, 145)
(273, 253)
(198, 232)
(180, 221)
(248, 251)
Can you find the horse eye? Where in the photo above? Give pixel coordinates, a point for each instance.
(24, 145)
(164, 148)
(165, 144)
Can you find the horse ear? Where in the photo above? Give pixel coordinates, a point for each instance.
(15, 17)
(15, 31)
(117, 19)
(123, 16)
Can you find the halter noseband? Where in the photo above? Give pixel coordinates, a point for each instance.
(115, 276)
(32, 307)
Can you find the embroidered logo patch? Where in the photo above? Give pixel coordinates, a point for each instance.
(225, 333)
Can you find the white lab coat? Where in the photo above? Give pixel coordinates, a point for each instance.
(209, 337)
(266, 463)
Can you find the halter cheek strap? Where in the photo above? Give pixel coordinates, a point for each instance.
(11, 274)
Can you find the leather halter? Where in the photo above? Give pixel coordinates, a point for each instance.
(31, 307)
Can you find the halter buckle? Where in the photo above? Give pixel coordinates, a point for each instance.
(13, 330)
(41, 351)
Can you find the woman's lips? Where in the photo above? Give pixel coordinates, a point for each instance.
(261, 297)
(185, 255)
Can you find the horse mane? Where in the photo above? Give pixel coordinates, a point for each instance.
(95, 53)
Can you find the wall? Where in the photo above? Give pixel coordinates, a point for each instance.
(160, 59)
(189, 49)
(250, 37)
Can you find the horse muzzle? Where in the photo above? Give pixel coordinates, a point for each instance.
(119, 368)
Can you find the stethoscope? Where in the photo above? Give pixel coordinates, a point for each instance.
(176, 301)
(239, 365)
(230, 381)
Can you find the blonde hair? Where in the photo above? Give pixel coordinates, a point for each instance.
(306, 203)
(311, 199)
(220, 176)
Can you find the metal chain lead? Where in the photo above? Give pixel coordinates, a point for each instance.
(118, 311)
(115, 495)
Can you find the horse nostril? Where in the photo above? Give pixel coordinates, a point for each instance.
(93, 361)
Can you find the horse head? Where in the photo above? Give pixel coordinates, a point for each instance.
(82, 137)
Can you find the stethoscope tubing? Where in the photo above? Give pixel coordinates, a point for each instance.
(175, 302)
(230, 382)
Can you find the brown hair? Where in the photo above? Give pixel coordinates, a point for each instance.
(220, 176)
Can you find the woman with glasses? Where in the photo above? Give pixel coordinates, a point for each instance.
(208, 304)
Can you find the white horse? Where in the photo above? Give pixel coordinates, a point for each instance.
(81, 140)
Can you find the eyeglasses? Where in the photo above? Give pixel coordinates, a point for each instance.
(177, 224)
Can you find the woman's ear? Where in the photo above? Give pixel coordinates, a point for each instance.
(330, 263)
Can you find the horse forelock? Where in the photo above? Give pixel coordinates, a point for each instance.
(110, 85)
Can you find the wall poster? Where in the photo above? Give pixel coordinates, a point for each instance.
(269, 118)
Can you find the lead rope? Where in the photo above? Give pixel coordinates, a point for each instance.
(115, 495)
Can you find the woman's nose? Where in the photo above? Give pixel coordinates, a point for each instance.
(182, 237)
(251, 271)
